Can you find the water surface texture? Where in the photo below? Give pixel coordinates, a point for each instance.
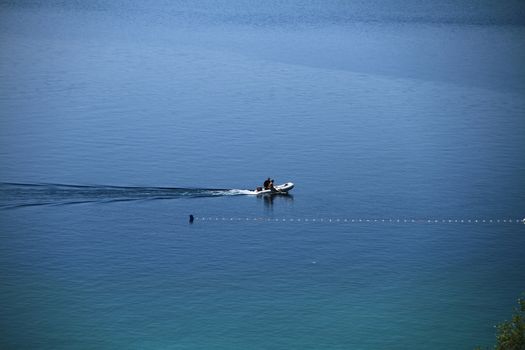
(401, 124)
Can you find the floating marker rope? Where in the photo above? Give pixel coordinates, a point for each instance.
(365, 220)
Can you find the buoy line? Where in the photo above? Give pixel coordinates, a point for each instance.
(362, 220)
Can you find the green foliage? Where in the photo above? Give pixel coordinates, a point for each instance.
(511, 334)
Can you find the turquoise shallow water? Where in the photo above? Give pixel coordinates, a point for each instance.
(118, 120)
(136, 275)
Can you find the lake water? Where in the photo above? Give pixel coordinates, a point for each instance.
(401, 124)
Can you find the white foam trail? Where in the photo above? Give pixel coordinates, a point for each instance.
(15, 195)
(237, 192)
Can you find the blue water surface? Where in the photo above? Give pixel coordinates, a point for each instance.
(401, 125)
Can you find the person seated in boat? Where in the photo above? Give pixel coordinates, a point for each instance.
(272, 187)
(266, 184)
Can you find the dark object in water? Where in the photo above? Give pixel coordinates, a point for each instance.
(191, 219)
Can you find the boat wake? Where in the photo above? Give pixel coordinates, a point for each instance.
(16, 195)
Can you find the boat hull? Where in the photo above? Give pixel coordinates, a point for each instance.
(280, 189)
